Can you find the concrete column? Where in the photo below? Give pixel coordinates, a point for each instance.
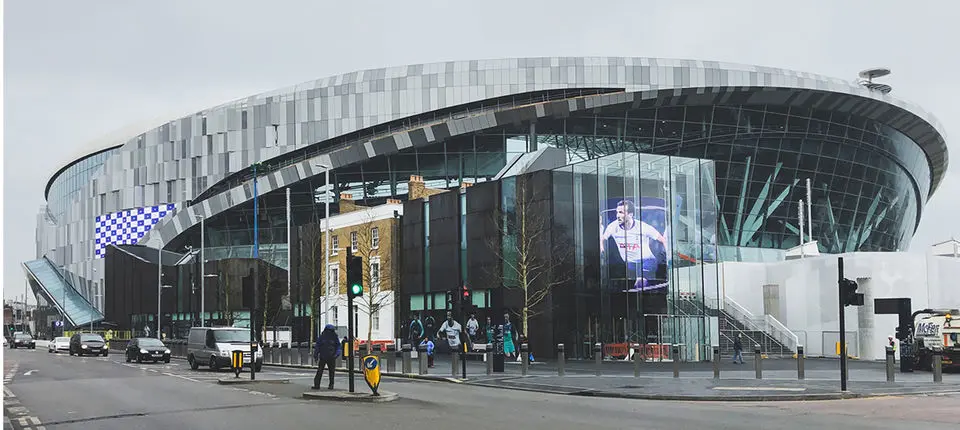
(865, 321)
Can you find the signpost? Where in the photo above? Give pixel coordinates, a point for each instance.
(847, 291)
(354, 289)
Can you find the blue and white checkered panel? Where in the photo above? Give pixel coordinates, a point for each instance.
(126, 227)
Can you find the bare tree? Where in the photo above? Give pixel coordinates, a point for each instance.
(370, 243)
(312, 259)
(533, 259)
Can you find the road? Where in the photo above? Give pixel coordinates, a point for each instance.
(56, 391)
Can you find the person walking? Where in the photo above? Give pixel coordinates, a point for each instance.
(508, 347)
(737, 350)
(473, 327)
(428, 344)
(450, 329)
(490, 330)
(325, 352)
(415, 331)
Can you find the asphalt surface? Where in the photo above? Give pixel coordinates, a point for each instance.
(57, 391)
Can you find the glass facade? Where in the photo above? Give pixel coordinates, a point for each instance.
(69, 182)
(869, 181)
(645, 248)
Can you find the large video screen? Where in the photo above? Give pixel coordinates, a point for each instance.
(634, 241)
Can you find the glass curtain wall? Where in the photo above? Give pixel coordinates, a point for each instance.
(649, 237)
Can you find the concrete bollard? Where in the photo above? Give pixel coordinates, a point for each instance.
(891, 375)
(937, 365)
(758, 361)
(285, 353)
(597, 357)
(524, 359)
(405, 364)
(422, 356)
(488, 358)
(675, 353)
(800, 362)
(716, 362)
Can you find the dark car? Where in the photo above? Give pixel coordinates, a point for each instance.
(22, 340)
(88, 344)
(147, 349)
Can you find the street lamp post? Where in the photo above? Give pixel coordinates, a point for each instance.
(203, 273)
(159, 282)
(326, 246)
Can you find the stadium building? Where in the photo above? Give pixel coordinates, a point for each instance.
(723, 150)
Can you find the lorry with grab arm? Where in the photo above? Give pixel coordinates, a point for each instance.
(937, 330)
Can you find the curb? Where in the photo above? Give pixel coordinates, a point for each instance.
(244, 381)
(588, 392)
(717, 398)
(384, 397)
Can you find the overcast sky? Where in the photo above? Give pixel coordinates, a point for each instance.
(78, 70)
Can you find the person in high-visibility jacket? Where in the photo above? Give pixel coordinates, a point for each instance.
(107, 337)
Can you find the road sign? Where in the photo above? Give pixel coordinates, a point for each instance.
(371, 372)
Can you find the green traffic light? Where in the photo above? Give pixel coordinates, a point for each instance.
(356, 289)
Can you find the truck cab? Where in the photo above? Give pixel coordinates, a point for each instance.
(938, 330)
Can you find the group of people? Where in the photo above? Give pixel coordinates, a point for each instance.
(420, 333)
(328, 345)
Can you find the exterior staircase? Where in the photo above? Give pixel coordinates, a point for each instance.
(775, 339)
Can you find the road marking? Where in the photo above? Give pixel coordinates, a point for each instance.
(180, 376)
(19, 410)
(759, 389)
(152, 370)
(30, 372)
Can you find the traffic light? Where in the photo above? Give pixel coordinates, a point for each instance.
(451, 299)
(849, 293)
(466, 298)
(354, 275)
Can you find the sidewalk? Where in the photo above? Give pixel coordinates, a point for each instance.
(656, 381)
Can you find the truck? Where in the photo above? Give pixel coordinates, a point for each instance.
(937, 330)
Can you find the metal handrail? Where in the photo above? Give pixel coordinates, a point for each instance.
(766, 324)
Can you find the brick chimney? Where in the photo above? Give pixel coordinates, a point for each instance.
(416, 187)
(418, 190)
(347, 204)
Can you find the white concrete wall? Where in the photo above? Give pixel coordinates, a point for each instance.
(386, 330)
(810, 301)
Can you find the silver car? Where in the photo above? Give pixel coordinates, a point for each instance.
(59, 344)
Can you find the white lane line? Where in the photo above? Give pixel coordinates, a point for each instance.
(30, 372)
(181, 377)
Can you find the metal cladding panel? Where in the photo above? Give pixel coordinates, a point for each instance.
(240, 130)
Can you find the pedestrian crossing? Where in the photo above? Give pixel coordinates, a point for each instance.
(15, 415)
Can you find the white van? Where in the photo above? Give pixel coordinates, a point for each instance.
(212, 346)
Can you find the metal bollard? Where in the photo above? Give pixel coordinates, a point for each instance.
(422, 355)
(561, 360)
(598, 356)
(800, 362)
(525, 360)
(390, 357)
(454, 362)
(405, 364)
(637, 356)
(937, 365)
(676, 360)
(285, 353)
(891, 376)
(378, 352)
(758, 361)
(716, 362)
(488, 357)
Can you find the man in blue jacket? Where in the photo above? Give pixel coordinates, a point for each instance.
(325, 351)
